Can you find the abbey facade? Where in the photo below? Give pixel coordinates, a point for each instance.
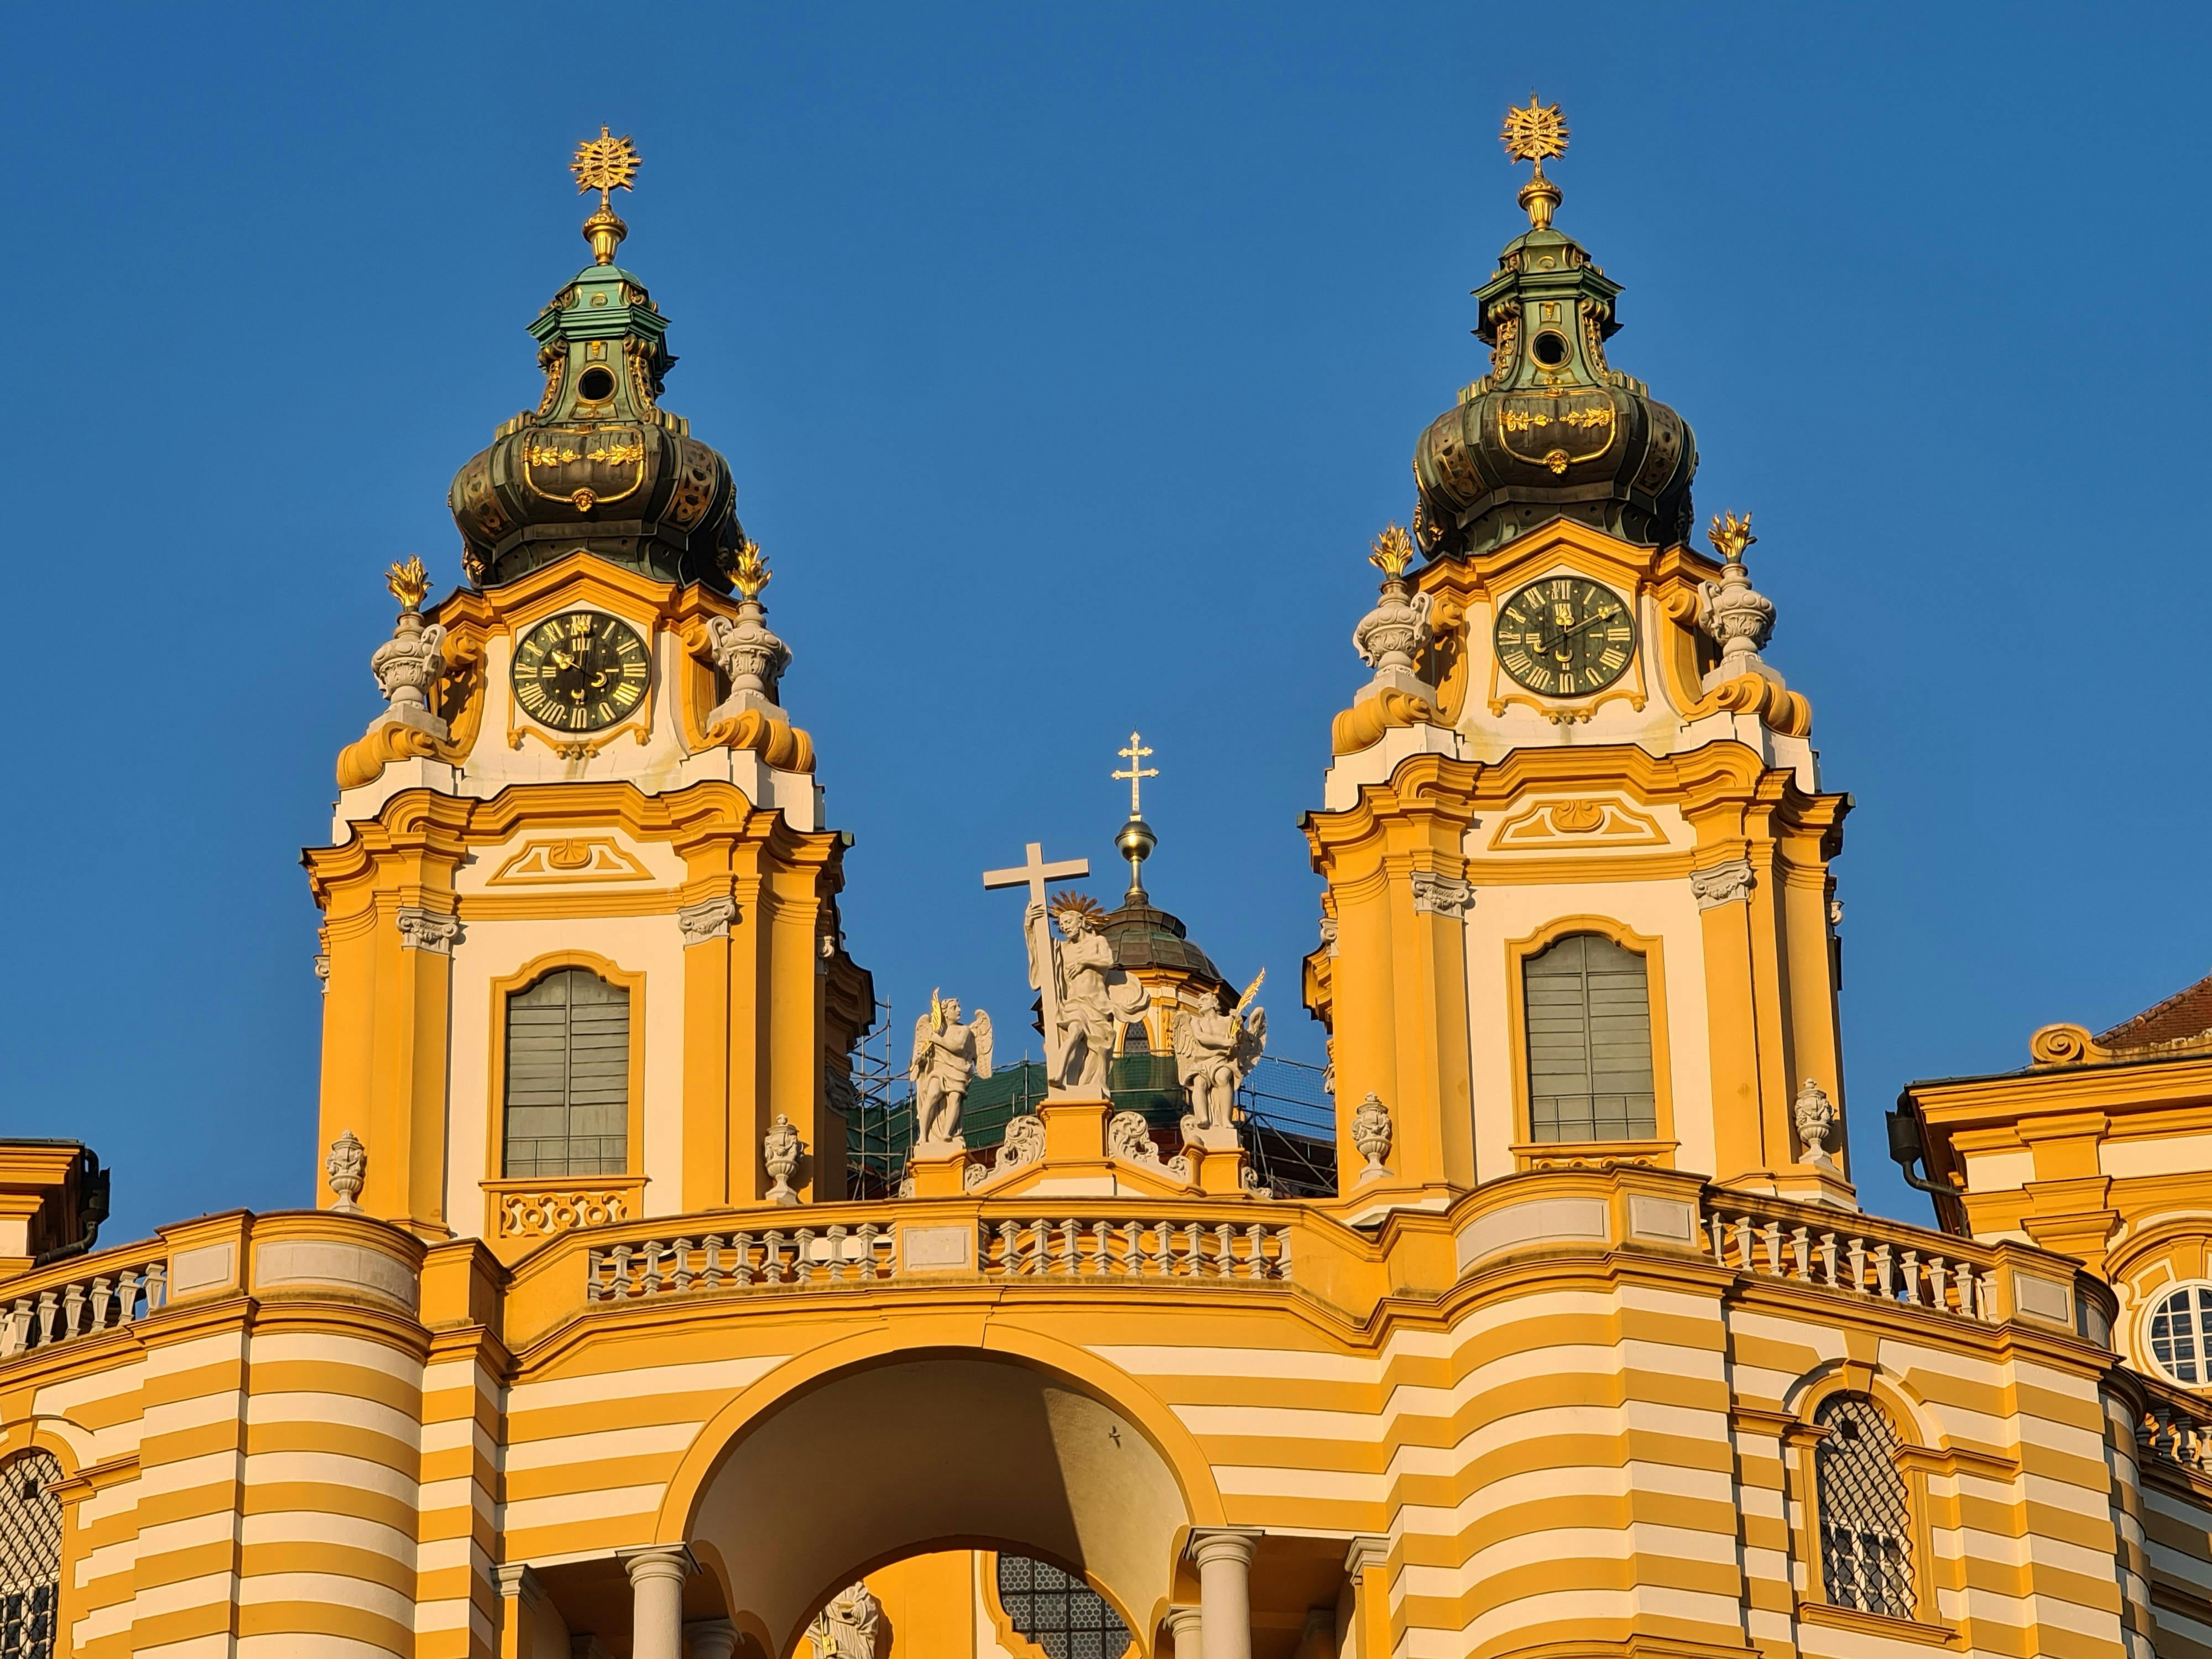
(1576, 1341)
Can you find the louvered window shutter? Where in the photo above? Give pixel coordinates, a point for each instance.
(1588, 1010)
(567, 1077)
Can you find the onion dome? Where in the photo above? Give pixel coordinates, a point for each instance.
(1551, 430)
(600, 464)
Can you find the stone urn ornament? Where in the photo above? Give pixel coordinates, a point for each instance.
(781, 1148)
(1388, 636)
(1370, 1135)
(1815, 1116)
(1731, 612)
(412, 661)
(347, 1166)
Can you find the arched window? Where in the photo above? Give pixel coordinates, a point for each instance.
(2181, 1334)
(1866, 1522)
(30, 1556)
(1587, 1004)
(567, 1077)
(1062, 1615)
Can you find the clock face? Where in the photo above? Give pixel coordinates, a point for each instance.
(579, 671)
(1565, 636)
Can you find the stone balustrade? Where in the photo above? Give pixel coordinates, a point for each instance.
(1854, 1255)
(824, 1254)
(80, 1299)
(1134, 1248)
(2176, 1429)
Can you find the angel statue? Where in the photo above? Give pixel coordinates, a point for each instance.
(947, 1057)
(1093, 997)
(1214, 1051)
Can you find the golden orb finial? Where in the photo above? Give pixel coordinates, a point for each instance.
(1393, 551)
(410, 583)
(749, 570)
(606, 164)
(1730, 536)
(1536, 134)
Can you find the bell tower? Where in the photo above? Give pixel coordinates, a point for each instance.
(580, 946)
(1578, 907)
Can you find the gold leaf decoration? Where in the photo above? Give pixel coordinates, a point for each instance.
(410, 583)
(1393, 551)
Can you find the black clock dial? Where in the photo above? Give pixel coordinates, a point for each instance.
(580, 670)
(1565, 636)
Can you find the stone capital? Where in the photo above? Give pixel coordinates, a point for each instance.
(1436, 894)
(1182, 1623)
(1723, 883)
(658, 1561)
(710, 1638)
(1212, 1544)
(708, 919)
(517, 1583)
(1367, 1549)
(428, 930)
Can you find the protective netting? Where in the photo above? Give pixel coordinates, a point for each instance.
(1064, 1616)
(1866, 1525)
(30, 1555)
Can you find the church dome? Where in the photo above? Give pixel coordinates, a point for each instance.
(1552, 430)
(600, 464)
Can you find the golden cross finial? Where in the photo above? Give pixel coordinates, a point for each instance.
(1536, 134)
(604, 164)
(1135, 773)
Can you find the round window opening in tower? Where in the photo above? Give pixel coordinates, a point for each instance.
(596, 385)
(2179, 1335)
(1551, 349)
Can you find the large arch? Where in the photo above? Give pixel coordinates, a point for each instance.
(872, 1450)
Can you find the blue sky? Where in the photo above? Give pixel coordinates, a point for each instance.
(1066, 358)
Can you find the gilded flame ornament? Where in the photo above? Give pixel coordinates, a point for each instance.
(1393, 551)
(1730, 536)
(1536, 134)
(748, 570)
(410, 583)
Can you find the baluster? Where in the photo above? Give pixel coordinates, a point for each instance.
(1743, 1243)
(1882, 1268)
(652, 1275)
(1256, 1239)
(1069, 1235)
(804, 1255)
(1800, 1250)
(1982, 1296)
(710, 1275)
(1718, 1228)
(1224, 1244)
(1857, 1248)
(592, 1259)
(1195, 1249)
(1935, 1298)
(103, 1295)
(1282, 1253)
(1828, 1258)
(741, 1270)
(1771, 1235)
(836, 1253)
(72, 1309)
(868, 1249)
(620, 1282)
(126, 1291)
(1912, 1266)
(1133, 1247)
(682, 1264)
(1009, 1248)
(1962, 1278)
(14, 1326)
(1102, 1249)
(772, 1256)
(1040, 1262)
(47, 1309)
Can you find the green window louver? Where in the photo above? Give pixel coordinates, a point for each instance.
(1588, 1005)
(567, 1077)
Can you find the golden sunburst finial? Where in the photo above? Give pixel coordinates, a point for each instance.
(606, 164)
(410, 583)
(1393, 551)
(749, 570)
(1730, 536)
(1536, 134)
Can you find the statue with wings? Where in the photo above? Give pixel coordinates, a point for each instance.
(948, 1056)
(1215, 1048)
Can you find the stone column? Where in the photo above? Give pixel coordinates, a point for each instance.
(1223, 1555)
(710, 1638)
(656, 1581)
(1183, 1639)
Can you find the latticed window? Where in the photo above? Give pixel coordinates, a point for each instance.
(2181, 1334)
(30, 1556)
(1063, 1615)
(1866, 1524)
(1588, 1008)
(567, 1077)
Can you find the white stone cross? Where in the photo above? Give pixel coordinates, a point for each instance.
(1033, 873)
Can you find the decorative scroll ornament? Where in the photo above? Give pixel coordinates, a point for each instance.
(1723, 883)
(409, 664)
(1732, 613)
(347, 1166)
(846, 1629)
(708, 919)
(1370, 1135)
(780, 1152)
(1129, 1137)
(1436, 894)
(948, 1056)
(1815, 1116)
(1024, 1146)
(534, 1214)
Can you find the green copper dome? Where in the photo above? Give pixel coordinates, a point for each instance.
(1552, 430)
(600, 464)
